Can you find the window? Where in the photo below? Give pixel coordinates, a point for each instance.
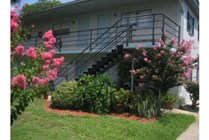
(197, 74)
(190, 24)
(144, 18)
(61, 28)
(191, 77)
(141, 18)
(128, 18)
(198, 34)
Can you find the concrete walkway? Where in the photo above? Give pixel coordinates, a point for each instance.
(192, 132)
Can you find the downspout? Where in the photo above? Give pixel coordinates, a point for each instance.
(181, 11)
(181, 21)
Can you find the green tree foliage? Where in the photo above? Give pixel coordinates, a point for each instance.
(165, 66)
(15, 1)
(193, 89)
(40, 5)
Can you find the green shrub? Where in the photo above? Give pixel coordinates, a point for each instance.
(146, 105)
(193, 89)
(121, 98)
(96, 93)
(168, 98)
(65, 96)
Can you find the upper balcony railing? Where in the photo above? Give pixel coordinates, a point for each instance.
(143, 28)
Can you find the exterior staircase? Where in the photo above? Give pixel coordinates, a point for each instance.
(105, 46)
(106, 62)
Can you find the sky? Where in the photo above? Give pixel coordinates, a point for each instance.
(33, 1)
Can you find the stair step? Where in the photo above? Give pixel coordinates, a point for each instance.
(76, 79)
(114, 51)
(85, 72)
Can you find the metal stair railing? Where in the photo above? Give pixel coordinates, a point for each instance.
(103, 46)
(117, 34)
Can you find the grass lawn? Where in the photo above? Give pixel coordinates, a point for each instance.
(37, 124)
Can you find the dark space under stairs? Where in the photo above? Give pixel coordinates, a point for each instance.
(106, 62)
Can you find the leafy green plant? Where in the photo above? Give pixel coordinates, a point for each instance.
(146, 105)
(41, 4)
(193, 89)
(166, 65)
(96, 93)
(168, 98)
(31, 68)
(121, 97)
(65, 96)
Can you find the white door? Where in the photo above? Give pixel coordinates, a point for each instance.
(104, 21)
(83, 36)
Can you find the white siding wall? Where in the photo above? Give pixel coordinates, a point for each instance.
(170, 8)
(167, 7)
(186, 36)
(195, 48)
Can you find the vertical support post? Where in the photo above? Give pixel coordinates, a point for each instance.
(60, 45)
(159, 101)
(116, 35)
(130, 32)
(163, 30)
(179, 35)
(90, 39)
(153, 30)
(132, 76)
(36, 41)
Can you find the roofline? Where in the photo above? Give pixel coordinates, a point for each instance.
(194, 5)
(56, 6)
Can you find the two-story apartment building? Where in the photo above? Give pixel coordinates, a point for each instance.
(91, 30)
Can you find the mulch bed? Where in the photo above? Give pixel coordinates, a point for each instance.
(128, 116)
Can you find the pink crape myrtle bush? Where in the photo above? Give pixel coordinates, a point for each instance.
(32, 69)
(165, 66)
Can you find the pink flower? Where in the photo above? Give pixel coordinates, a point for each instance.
(155, 47)
(48, 45)
(173, 41)
(52, 52)
(52, 40)
(158, 55)
(162, 52)
(46, 56)
(127, 56)
(146, 60)
(51, 74)
(57, 62)
(45, 67)
(14, 26)
(144, 53)
(48, 35)
(162, 43)
(19, 81)
(133, 71)
(44, 82)
(48, 61)
(187, 75)
(186, 60)
(139, 47)
(141, 76)
(19, 50)
(33, 26)
(14, 19)
(35, 81)
(31, 53)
